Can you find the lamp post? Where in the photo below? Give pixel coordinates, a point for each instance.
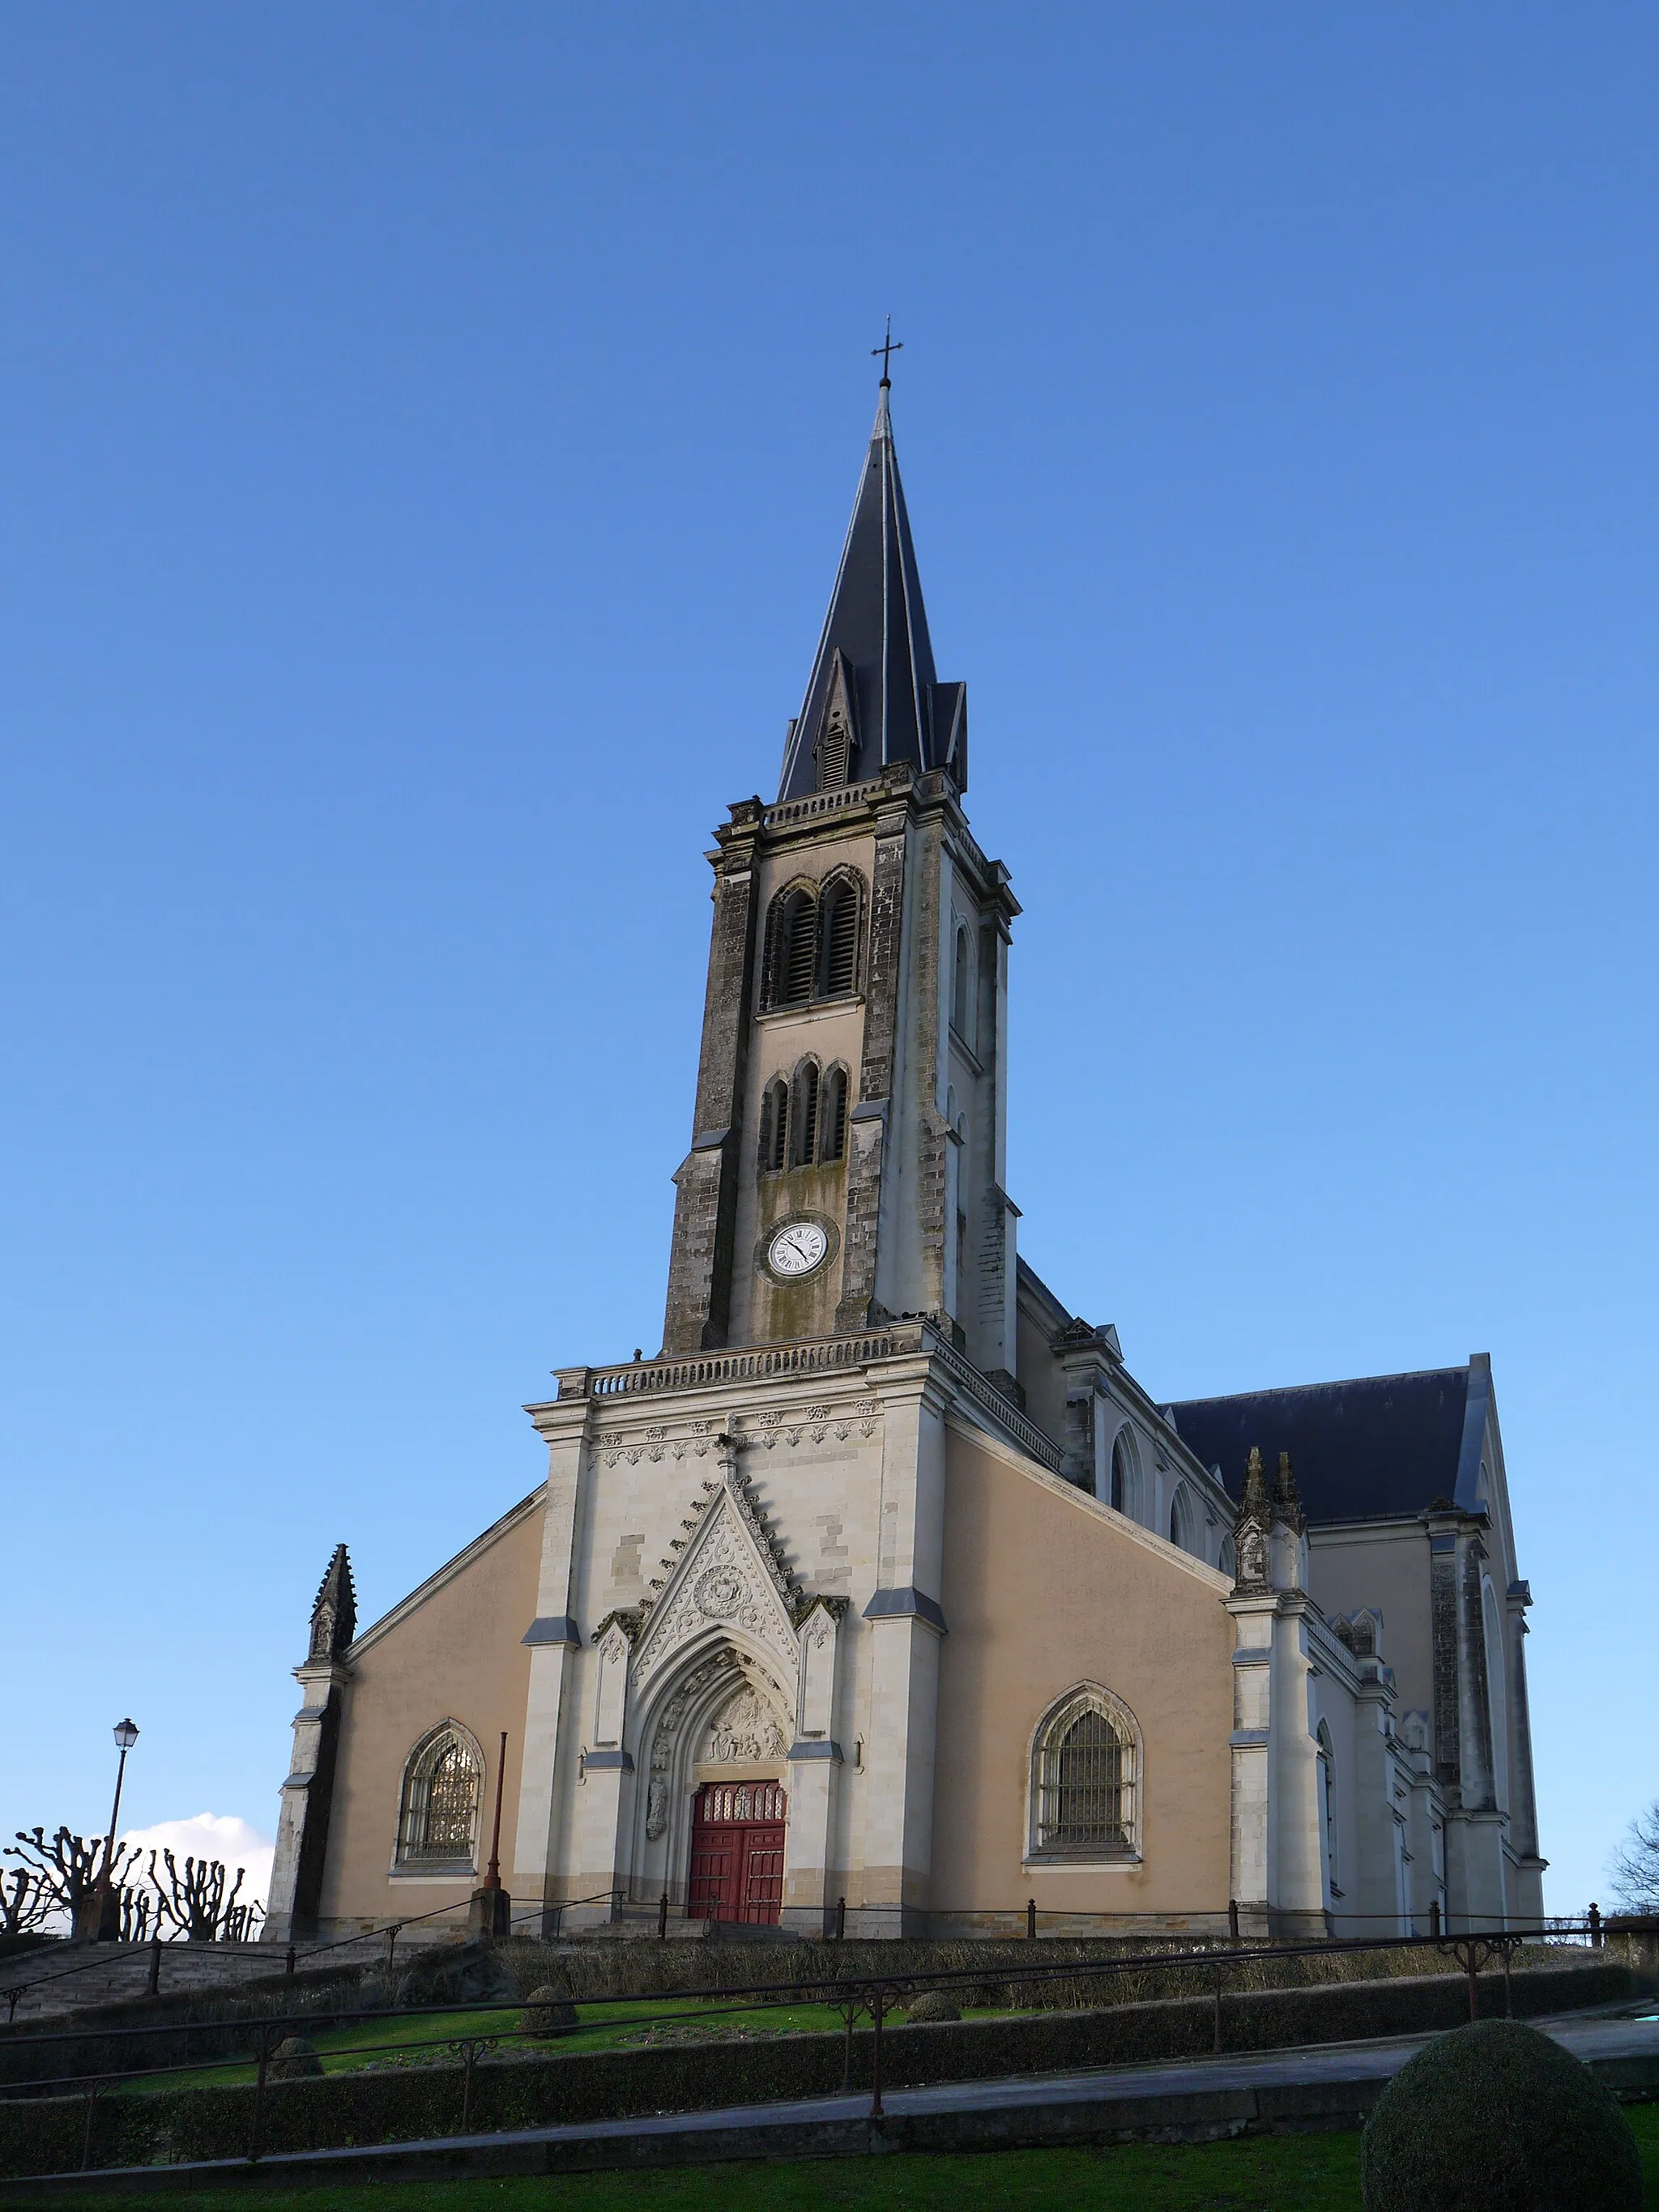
(106, 1916)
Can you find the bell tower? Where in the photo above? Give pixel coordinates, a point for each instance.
(847, 1156)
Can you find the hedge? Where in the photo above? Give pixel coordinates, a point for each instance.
(44, 2134)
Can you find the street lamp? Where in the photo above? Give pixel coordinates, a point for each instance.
(105, 1921)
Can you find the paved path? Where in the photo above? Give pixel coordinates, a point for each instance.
(1330, 2085)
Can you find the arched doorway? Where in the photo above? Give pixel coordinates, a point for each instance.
(738, 1832)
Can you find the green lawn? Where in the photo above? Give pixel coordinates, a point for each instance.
(1284, 2173)
(604, 2028)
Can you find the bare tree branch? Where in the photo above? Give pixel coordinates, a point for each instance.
(1635, 1864)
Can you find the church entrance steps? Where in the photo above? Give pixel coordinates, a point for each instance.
(1308, 2091)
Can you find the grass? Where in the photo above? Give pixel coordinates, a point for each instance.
(1269, 2173)
(343, 2049)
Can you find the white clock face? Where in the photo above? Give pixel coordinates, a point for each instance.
(797, 1249)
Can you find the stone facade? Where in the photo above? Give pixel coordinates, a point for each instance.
(887, 1554)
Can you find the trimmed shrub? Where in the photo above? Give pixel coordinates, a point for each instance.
(1497, 2118)
(931, 2007)
(518, 2089)
(293, 2060)
(550, 2010)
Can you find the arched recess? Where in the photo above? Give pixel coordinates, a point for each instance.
(803, 1114)
(962, 986)
(832, 1115)
(439, 1801)
(718, 1680)
(774, 1125)
(1179, 1530)
(1328, 1802)
(840, 912)
(787, 974)
(1087, 1787)
(1124, 1476)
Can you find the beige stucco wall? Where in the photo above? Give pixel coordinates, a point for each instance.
(1045, 1588)
(453, 1654)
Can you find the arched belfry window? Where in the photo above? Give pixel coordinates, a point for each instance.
(832, 1117)
(962, 980)
(813, 934)
(838, 937)
(443, 1789)
(774, 1123)
(1085, 1778)
(804, 1114)
(792, 936)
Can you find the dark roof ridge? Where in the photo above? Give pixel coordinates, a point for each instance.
(1337, 1382)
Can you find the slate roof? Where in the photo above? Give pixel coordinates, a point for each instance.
(877, 623)
(1375, 1448)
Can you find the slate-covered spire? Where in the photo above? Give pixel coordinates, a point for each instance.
(334, 1616)
(872, 697)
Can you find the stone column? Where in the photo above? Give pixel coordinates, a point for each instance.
(815, 1760)
(907, 1624)
(553, 1639)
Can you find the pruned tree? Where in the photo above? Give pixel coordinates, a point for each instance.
(67, 1868)
(196, 1901)
(141, 1914)
(25, 1902)
(1635, 1864)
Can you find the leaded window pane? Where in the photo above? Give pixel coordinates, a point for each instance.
(1085, 1787)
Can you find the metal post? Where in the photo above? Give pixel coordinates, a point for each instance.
(1219, 1976)
(288, 1963)
(1232, 1920)
(92, 2088)
(1434, 1919)
(1507, 1950)
(1031, 1918)
(662, 1918)
(153, 1984)
(840, 1920)
(877, 2004)
(259, 2097)
(391, 1935)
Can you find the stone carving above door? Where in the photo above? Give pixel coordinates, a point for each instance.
(722, 1579)
(745, 1728)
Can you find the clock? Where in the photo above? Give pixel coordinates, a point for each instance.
(797, 1249)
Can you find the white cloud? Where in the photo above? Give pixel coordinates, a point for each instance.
(212, 1835)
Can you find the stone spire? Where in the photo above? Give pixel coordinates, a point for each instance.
(873, 698)
(334, 1616)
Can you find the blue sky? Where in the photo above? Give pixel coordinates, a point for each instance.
(427, 434)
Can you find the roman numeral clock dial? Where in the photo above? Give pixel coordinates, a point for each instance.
(797, 1249)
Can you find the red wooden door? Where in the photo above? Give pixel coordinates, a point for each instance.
(737, 1833)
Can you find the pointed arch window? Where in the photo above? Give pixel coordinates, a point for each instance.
(838, 937)
(1328, 1800)
(961, 985)
(804, 1114)
(1124, 1474)
(832, 1117)
(443, 1787)
(775, 1124)
(1086, 1775)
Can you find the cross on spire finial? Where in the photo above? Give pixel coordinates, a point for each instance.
(889, 346)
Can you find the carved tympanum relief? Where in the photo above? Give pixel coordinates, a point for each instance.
(721, 1580)
(744, 1727)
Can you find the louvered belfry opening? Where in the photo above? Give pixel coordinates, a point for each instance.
(1085, 1787)
(774, 1117)
(838, 938)
(803, 1120)
(791, 954)
(832, 1116)
(834, 749)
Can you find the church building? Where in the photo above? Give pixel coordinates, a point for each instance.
(885, 1597)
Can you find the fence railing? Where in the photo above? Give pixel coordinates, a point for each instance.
(860, 1994)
